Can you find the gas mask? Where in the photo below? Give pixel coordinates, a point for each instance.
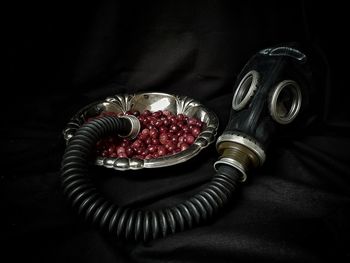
(270, 93)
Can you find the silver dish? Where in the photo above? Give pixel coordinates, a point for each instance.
(152, 101)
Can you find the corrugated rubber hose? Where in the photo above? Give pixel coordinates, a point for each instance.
(134, 223)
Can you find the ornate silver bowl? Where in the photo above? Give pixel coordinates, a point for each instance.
(152, 101)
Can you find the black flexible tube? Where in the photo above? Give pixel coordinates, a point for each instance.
(129, 223)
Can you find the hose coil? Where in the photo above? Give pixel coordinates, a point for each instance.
(135, 223)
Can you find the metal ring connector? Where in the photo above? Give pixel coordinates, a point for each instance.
(135, 126)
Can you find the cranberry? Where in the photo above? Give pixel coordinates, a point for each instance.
(120, 150)
(180, 117)
(172, 120)
(149, 141)
(124, 143)
(180, 124)
(150, 126)
(166, 113)
(174, 128)
(149, 156)
(146, 113)
(179, 133)
(185, 129)
(153, 121)
(174, 138)
(181, 139)
(152, 149)
(143, 137)
(122, 155)
(163, 138)
(153, 133)
(110, 150)
(184, 146)
(145, 131)
(166, 123)
(199, 124)
(136, 144)
(163, 129)
(161, 150)
(189, 139)
(155, 142)
(170, 146)
(196, 131)
(144, 152)
(136, 113)
(129, 152)
(114, 155)
(192, 121)
(139, 151)
(141, 119)
(157, 114)
(158, 123)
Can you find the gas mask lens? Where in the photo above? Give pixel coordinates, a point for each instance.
(245, 90)
(285, 101)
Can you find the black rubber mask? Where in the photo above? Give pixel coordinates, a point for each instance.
(270, 93)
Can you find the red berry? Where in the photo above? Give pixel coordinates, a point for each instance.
(189, 139)
(110, 149)
(145, 131)
(166, 123)
(161, 150)
(163, 137)
(180, 117)
(136, 113)
(146, 113)
(184, 146)
(166, 113)
(120, 150)
(148, 156)
(195, 131)
(129, 152)
(122, 155)
(174, 128)
(153, 133)
(152, 149)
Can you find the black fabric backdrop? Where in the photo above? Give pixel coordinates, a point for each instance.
(62, 56)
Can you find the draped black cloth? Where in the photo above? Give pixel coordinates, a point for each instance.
(62, 56)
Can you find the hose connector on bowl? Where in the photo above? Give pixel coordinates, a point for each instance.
(239, 152)
(135, 127)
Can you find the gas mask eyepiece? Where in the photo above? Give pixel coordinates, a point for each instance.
(285, 101)
(245, 90)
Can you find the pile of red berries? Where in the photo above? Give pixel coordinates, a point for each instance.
(162, 133)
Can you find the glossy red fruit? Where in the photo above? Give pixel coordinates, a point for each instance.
(184, 146)
(195, 131)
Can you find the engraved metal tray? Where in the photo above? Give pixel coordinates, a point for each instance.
(152, 101)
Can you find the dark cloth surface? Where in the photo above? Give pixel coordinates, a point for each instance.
(62, 56)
